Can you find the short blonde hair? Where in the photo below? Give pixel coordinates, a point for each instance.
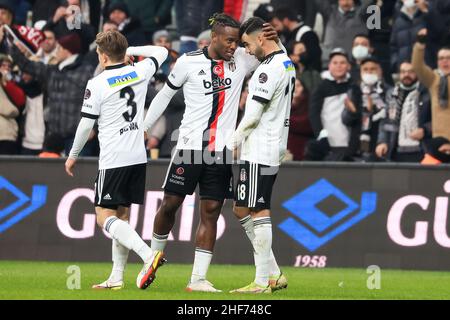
(113, 44)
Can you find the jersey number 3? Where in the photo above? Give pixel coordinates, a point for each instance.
(128, 93)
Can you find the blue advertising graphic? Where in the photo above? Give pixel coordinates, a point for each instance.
(318, 228)
(23, 206)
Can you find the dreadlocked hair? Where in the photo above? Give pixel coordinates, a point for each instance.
(222, 20)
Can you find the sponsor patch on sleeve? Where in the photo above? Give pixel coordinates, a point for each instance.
(87, 94)
(288, 65)
(263, 77)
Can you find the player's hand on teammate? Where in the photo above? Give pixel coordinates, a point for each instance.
(269, 32)
(129, 60)
(70, 164)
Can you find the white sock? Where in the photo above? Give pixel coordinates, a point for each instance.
(159, 242)
(127, 236)
(247, 224)
(262, 244)
(119, 258)
(201, 264)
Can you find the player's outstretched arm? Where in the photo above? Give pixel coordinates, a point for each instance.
(84, 129)
(158, 106)
(253, 112)
(157, 52)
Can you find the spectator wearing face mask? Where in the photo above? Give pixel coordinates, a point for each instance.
(365, 106)
(408, 119)
(342, 22)
(361, 49)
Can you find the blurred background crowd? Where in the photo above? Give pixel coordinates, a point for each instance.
(372, 82)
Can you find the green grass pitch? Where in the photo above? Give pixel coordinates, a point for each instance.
(48, 280)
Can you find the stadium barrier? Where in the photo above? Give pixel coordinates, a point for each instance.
(324, 215)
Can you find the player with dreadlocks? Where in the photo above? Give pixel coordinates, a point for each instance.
(212, 80)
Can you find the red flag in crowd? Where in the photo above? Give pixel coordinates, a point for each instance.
(31, 38)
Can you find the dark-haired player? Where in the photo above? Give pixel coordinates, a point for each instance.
(263, 134)
(212, 80)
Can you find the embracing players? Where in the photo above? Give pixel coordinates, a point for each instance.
(212, 80)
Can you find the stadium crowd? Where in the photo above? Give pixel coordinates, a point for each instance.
(372, 85)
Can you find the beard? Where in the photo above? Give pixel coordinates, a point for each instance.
(259, 54)
(407, 81)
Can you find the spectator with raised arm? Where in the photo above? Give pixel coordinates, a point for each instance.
(64, 83)
(64, 22)
(438, 84)
(34, 112)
